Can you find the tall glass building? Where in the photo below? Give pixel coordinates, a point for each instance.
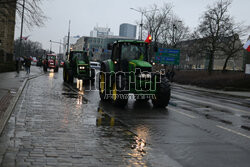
(127, 30)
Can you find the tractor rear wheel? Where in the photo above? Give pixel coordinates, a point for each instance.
(65, 74)
(56, 69)
(70, 77)
(45, 68)
(103, 86)
(162, 94)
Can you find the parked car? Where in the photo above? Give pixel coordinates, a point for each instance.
(61, 63)
(94, 64)
(33, 61)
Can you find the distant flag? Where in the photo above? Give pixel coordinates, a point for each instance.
(149, 39)
(25, 38)
(247, 46)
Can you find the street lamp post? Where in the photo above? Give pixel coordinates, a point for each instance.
(142, 13)
(175, 28)
(21, 35)
(56, 43)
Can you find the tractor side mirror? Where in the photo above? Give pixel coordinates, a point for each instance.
(109, 46)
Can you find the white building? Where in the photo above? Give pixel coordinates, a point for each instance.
(101, 32)
(127, 30)
(72, 40)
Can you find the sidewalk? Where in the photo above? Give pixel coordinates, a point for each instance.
(11, 85)
(230, 93)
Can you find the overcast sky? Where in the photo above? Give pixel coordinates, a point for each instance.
(86, 14)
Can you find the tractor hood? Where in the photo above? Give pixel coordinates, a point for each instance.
(82, 63)
(140, 63)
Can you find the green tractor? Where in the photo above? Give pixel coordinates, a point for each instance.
(78, 66)
(129, 72)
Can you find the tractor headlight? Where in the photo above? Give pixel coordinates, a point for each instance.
(147, 76)
(81, 67)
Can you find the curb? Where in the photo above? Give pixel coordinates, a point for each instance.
(231, 93)
(13, 102)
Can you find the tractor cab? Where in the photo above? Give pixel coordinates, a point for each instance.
(130, 54)
(78, 66)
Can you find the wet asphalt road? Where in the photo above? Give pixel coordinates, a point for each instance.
(56, 124)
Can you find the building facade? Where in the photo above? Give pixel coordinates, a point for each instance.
(127, 30)
(96, 45)
(193, 56)
(72, 40)
(101, 32)
(7, 30)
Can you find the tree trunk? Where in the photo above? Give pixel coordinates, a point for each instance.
(211, 63)
(225, 64)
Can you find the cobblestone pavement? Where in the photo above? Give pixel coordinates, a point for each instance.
(54, 126)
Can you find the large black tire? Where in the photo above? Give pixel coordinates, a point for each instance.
(45, 68)
(104, 84)
(70, 76)
(119, 92)
(92, 74)
(163, 94)
(56, 69)
(65, 74)
(142, 100)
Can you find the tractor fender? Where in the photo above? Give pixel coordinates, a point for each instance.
(109, 65)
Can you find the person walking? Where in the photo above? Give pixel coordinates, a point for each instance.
(27, 65)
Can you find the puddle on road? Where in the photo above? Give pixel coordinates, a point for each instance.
(245, 127)
(218, 119)
(137, 144)
(245, 116)
(72, 95)
(104, 119)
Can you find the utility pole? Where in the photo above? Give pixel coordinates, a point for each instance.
(68, 39)
(142, 13)
(21, 35)
(57, 43)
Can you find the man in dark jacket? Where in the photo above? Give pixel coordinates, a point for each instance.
(27, 64)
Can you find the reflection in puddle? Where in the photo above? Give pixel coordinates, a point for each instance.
(104, 119)
(51, 75)
(139, 145)
(79, 85)
(136, 145)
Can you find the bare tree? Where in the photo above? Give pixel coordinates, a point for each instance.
(29, 48)
(156, 19)
(231, 45)
(215, 24)
(33, 15)
(174, 31)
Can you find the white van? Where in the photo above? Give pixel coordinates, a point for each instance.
(95, 65)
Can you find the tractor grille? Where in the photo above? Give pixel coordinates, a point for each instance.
(143, 69)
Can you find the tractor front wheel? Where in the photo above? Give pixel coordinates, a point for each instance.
(162, 94)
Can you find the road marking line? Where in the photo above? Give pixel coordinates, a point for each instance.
(233, 131)
(188, 115)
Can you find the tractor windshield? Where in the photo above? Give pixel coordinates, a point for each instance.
(131, 51)
(51, 57)
(81, 56)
